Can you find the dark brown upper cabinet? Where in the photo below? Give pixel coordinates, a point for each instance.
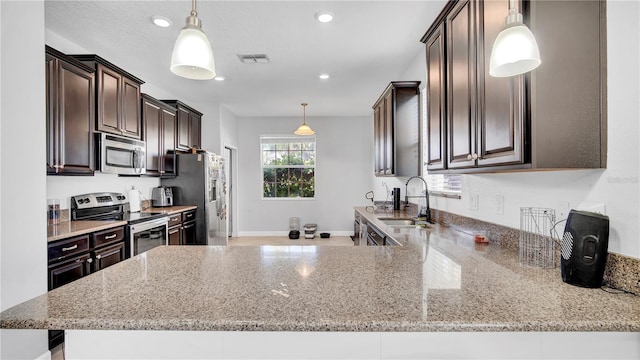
(435, 155)
(70, 115)
(189, 124)
(159, 121)
(117, 98)
(479, 123)
(397, 130)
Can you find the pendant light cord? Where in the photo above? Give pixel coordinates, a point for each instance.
(304, 113)
(195, 13)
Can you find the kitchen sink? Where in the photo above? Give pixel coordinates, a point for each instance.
(402, 223)
(397, 221)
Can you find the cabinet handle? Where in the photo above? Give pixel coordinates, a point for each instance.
(110, 236)
(475, 156)
(89, 260)
(98, 257)
(469, 157)
(161, 171)
(70, 248)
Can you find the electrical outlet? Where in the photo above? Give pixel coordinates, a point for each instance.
(500, 204)
(473, 201)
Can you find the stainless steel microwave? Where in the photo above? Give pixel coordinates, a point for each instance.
(120, 155)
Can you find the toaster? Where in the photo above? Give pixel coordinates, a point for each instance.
(161, 196)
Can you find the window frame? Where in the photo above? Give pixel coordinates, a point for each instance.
(310, 139)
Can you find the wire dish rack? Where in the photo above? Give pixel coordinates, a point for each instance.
(537, 244)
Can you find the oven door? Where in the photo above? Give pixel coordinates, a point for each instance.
(147, 235)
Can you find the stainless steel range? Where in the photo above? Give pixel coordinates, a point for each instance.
(144, 230)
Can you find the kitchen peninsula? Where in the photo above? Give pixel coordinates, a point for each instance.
(438, 283)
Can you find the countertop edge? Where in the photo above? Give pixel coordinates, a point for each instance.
(319, 326)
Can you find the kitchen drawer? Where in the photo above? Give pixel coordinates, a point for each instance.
(175, 219)
(188, 215)
(108, 236)
(59, 250)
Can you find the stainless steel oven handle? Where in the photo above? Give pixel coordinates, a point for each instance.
(149, 224)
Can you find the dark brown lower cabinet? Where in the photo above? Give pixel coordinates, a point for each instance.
(73, 258)
(175, 235)
(108, 256)
(182, 228)
(64, 272)
(188, 233)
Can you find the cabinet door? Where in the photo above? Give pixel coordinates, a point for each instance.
(436, 115)
(152, 134)
(62, 273)
(53, 130)
(130, 123)
(378, 139)
(194, 130)
(183, 130)
(174, 235)
(461, 120)
(108, 97)
(168, 143)
(500, 100)
(189, 233)
(70, 114)
(108, 256)
(389, 146)
(76, 115)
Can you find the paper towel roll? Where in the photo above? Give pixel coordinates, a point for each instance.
(134, 200)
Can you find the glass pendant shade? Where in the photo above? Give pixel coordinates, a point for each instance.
(304, 129)
(515, 50)
(192, 56)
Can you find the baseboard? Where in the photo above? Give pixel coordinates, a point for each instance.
(44, 356)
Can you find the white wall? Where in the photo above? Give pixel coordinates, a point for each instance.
(23, 233)
(616, 187)
(344, 164)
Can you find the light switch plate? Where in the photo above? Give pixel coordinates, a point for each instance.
(500, 204)
(473, 201)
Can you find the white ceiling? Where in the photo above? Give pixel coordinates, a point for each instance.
(369, 44)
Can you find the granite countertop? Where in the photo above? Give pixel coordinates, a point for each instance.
(170, 210)
(67, 229)
(438, 280)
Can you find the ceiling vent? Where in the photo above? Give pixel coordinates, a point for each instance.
(254, 58)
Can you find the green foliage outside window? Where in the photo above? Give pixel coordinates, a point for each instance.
(288, 167)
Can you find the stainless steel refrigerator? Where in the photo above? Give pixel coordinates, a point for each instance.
(200, 181)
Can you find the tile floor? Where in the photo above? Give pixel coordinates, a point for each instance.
(284, 240)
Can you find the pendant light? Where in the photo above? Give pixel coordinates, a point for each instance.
(304, 129)
(515, 50)
(192, 57)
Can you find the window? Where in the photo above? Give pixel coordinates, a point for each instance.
(288, 166)
(447, 185)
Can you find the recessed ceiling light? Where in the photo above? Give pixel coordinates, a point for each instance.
(219, 78)
(324, 76)
(161, 21)
(324, 16)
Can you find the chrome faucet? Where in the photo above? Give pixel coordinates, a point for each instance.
(427, 213)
